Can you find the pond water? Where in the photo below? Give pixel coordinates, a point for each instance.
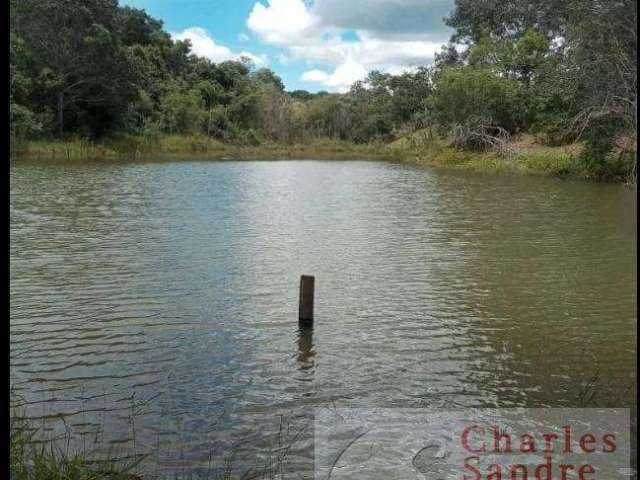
(154, 304)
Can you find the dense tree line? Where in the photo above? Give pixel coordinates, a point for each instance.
(563, 70)
(92, 68)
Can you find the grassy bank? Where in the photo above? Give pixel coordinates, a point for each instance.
(522, 155)
(176, 146)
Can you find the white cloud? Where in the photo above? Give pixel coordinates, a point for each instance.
(316, 76)
(281, 22)
(368, 51)
(345, 74)
(203, 45)
(387, 35)
(258, 60)
(243, 37)
(342, 77)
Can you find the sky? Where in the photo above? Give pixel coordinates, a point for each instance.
(312, 45)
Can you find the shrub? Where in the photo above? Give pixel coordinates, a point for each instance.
(601, 159)
(218, 123)
(24, 123)
(246, 138)
(468, 96)
(182, 111)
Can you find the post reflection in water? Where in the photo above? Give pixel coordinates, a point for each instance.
(306, 352)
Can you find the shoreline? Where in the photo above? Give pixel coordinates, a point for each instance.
(522, 158)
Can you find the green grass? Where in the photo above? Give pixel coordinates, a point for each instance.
(524, 155)
(181, 146)
(536, 163)
(34, 456)
(47, 460)
(124, 147)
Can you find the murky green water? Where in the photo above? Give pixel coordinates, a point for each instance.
(154, 305)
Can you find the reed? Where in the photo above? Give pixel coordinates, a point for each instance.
(34, 456)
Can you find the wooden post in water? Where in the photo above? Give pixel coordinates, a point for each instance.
(305, 312)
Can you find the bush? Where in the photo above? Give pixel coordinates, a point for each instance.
(554, 103)
(218, 123)
(468, 94)
(246, 138)
(24, 123)
(182, 111)
(601, 159)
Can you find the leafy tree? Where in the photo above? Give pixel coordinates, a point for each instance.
(604, 49)
(267, 77)
(565, 69)
(135, 27)
(24, 122)
(518, 58)
(410, 92)
(476, 102)
(275, 112)
(74, 52)
(301, 95)
(448, 56)
(330, 116)
(181, 111)
(475, 19)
